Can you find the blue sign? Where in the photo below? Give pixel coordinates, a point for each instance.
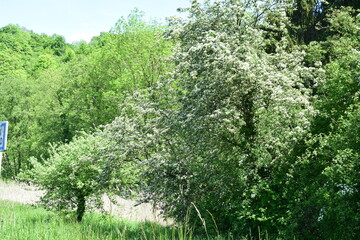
(3, 135)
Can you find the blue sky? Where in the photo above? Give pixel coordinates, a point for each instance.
(80, 19)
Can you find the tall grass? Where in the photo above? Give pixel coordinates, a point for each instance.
(26, 222)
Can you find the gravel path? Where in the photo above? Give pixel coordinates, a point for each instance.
(124, 209)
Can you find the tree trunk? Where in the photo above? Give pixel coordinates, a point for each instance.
(249, 117)
(80, 207)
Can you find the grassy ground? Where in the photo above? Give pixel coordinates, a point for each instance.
(25, 222)
(21, 221)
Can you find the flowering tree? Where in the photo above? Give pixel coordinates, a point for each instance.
(241, 112)
(70, 175)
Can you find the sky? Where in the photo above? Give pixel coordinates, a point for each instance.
(80, 19)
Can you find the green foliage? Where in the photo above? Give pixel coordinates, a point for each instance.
(97, 82)
(58, 45)
(325, 185)
(340, 89)
(308, 17)
(53, 89)
(15, 39)
(341, 150)
(16, 108)
(44, 62)
(24, 56)
(318, 196)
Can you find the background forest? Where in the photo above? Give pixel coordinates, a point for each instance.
(243, 116)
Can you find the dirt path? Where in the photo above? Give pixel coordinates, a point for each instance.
(19, 193)
(123, 209)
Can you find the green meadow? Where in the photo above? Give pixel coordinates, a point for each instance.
(27, 222)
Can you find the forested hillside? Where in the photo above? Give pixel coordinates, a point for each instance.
(51, 89)
(244, 117)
